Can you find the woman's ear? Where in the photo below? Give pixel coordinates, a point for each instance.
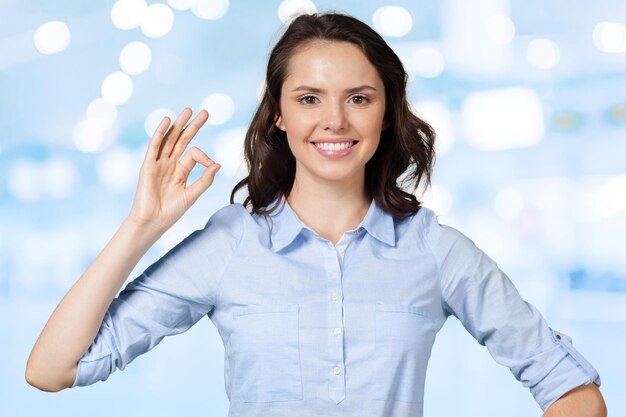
(278, 121)
(385, 124)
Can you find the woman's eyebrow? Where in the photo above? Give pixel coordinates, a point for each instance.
(319, 90)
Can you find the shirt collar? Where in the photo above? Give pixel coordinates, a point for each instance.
(286, 226)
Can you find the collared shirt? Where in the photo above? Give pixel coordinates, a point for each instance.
(313, 329)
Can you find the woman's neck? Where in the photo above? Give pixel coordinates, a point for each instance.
(330, 211)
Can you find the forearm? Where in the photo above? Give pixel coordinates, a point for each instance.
(584, 401)
(75, 322)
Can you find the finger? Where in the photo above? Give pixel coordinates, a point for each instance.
(204, 182)
(172, 135)
(189, 132)
(192, 156)
(157, 137)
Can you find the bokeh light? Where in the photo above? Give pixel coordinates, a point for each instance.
(210, 9)
(220, 106)
(52, 37)
(392, 21)
(127, 14)
(427, 61)
(155, 117)
(135, 58)
(157, 20)
(610, 37)
(543, 53)
(290, 9)
(504, 118)
(181, 4)
(117, 88)
(89, 136)
(102, 113)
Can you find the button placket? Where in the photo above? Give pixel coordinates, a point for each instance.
(335, 320)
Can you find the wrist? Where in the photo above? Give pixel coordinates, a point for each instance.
(142, 231)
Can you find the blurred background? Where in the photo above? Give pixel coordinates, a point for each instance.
(528, 98)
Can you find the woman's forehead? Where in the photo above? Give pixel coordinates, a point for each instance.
(331, 62)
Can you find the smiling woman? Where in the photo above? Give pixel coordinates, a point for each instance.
(328, 294)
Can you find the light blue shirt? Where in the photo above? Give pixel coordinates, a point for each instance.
(312, 329)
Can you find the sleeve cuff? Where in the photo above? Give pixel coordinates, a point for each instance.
(97, 363)
(572, 371)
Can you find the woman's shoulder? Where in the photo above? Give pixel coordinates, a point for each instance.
(438, 236)
(229, 219)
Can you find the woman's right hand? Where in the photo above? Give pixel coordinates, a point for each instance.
(162, 195)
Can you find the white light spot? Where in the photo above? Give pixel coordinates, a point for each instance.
(427, 61)
(52, 37)
(210, 9)
(290, 9)
(503, 119)
(606, 199)
(154, 119)
(260, 91)
(101, 113)
(127, 14)
(135, 58)
(59, 177)
(117, 88)
(118, 169)
(220, 107)
(437, 115)
(509, 203)
(543, 53)
(610, 37)
(90, 137)
(499, 29)
(438, 198)
(392, 21)
(181, 4)
(23, 180)
(228, 151)
(157, 20)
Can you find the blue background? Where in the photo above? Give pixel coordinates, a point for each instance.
(560, 238)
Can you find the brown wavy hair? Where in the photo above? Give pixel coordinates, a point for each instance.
(406, 147)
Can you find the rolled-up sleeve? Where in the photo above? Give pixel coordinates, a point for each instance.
(489, 306)
(169, 297)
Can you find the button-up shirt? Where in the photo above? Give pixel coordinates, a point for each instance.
(315, 329)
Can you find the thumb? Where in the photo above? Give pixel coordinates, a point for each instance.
(204, 182)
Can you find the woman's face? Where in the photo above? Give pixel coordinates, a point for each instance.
(331, 94)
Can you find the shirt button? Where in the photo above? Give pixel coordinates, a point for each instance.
(334, 297)
(337, 370)
(342, 249)
(337, 331)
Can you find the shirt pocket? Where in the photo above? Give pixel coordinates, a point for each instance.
(265, 352)
(404, 336)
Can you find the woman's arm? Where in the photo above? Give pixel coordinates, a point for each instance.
(75, 322)
(161, 199)
(584, 401)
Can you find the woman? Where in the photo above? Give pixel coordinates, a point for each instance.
(329, 293)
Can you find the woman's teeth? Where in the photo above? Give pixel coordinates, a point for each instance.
(333, 146)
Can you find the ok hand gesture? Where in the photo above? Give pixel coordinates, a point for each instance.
(162, 195)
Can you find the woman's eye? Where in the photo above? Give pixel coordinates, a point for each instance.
(360, 99)
(308, 100)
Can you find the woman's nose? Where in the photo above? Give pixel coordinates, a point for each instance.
(334, 117)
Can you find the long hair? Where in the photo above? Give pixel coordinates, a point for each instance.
(406, 147)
